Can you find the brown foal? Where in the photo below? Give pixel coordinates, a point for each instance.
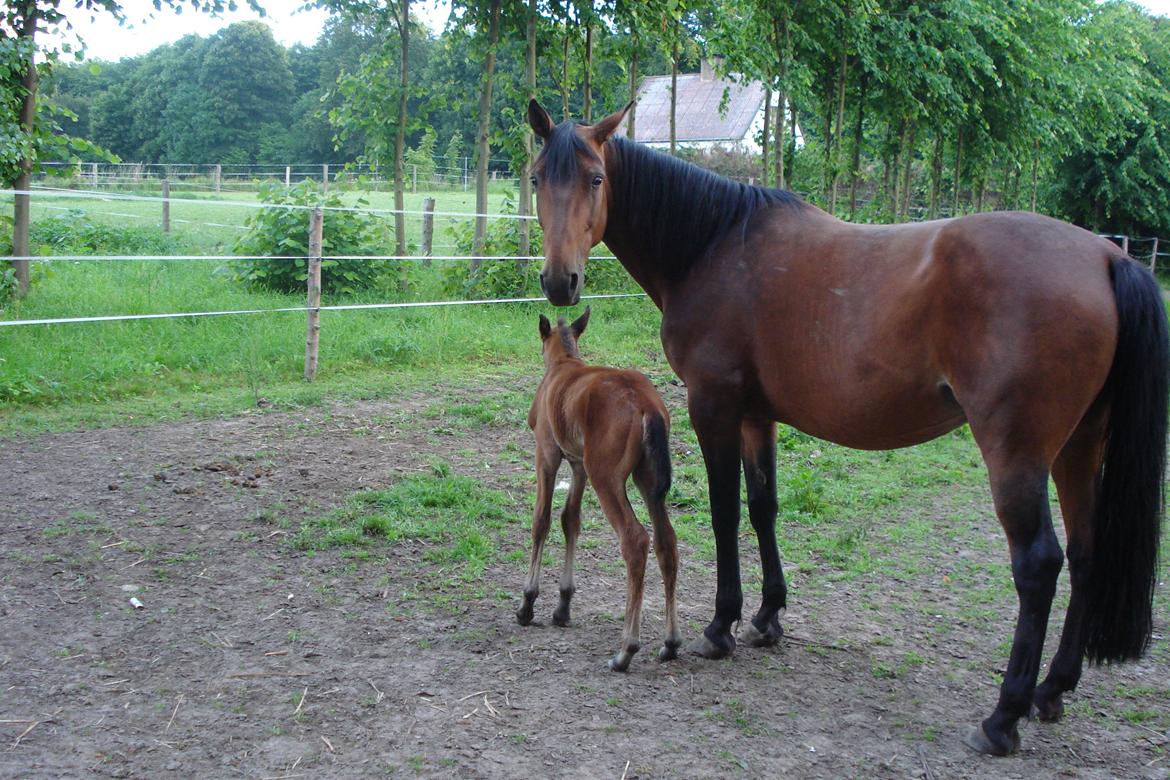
(609, 424)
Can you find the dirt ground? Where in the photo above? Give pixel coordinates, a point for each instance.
(250, 658)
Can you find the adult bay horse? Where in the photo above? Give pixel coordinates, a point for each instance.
(1044, 338)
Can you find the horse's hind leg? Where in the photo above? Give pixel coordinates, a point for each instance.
(571, 525)
(759, 468)
(635, 544)
(653, 487)
(1075, 474)
(1019, 485)
(548, 460)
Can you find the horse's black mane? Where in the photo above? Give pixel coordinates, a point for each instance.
(674, 209)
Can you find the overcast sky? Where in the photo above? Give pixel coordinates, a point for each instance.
(147, 28)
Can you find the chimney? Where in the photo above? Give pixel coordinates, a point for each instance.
(707, 68)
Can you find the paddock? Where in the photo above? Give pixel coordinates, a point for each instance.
(276, 641)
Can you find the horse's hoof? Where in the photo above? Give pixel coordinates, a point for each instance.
(1049, 710)
(669, 651)
(621, 661)
(524, 615)
(753, 637)
(560, 618)
(703, 646)
(979, 741)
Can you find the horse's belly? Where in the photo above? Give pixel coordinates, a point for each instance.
(874, 422)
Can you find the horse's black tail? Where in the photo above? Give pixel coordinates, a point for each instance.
(656, 450)
(1127, 515)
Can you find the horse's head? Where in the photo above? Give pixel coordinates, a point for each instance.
(572, 195)
(561, 341)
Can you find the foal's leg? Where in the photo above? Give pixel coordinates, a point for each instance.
(635, 544)
(571, 525)
(548, 460)
(1020, 489)
(716, 421)
(1075, 474)
(759, 468)
(653, 487)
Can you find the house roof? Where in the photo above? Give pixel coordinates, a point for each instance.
(697, 114)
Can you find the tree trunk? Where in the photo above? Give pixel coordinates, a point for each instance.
(1035, 164)
(482, 149)
(780, 29)
(674, 90)
(524, 208)
(767, 132)
(958, 173)
(827, 174)
(400, 135)
(908, 171)
(587, 81)
(565, 68)
(842, 74)
(893, 169)
(936, 165)
(28, 113)
(632, 115)
(982, 193)
(858, 138)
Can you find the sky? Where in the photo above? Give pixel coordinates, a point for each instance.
(147, 28)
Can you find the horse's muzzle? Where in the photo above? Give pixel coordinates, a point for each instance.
(561, 289)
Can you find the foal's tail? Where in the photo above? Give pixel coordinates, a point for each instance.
(1128, 510)
(656, 451)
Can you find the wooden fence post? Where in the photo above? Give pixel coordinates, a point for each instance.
(428, 227)
(414, 178)
(1154, 257)
(325, 177)
(166, 185)
(1125, 244)
(218, 176)
(316, 224)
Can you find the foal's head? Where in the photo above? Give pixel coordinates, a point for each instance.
(568, 177)
(561, 342)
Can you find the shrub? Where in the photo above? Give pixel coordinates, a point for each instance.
(76, 233)
(278, 233)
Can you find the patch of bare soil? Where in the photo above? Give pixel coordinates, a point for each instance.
(251, 658)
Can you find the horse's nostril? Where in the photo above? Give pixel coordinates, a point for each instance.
(573, 281)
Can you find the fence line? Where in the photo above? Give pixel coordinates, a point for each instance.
(339, 307)
(95, 195)
(84, 258)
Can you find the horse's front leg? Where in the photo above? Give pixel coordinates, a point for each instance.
(716, 421)
(759, 468)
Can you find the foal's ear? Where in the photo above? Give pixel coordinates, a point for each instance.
(606, 127)
(579, 324)
(539, 120)
(545, 328)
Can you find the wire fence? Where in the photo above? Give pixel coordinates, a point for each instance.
(444, 175)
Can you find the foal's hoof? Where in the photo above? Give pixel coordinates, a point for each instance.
(560, 618)
(669, 651)
(712, 650)
(753, 637)
(621, 661)
(524, 615)
(979, 741)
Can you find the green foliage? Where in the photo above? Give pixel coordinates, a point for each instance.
(422, 158)
(77, 233)
(500, 276)
(275, 234)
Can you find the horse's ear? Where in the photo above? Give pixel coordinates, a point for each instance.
(606, 127)
(580, 323)
(545, 327)
(539, 120)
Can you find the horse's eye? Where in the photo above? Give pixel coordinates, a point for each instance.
(596, 182)
(533, 180)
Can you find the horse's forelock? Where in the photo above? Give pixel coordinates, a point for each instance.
(562, 153)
